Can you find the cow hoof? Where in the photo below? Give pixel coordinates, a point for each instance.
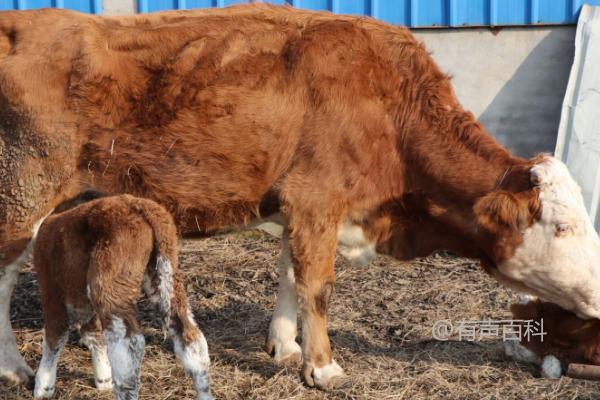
(17, 375)
(284, 352)
(104, 384)
(328, 377)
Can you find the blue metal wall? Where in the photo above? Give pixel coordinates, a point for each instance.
(88, 6)
(421, 13)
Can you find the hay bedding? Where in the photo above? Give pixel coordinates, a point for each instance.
(380, 326)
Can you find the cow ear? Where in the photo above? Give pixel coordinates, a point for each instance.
(502, 210)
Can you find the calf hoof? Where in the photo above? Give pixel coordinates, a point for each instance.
(328, 377)
(284, 352)
(104, 384)
(43, 392)
(551, 368)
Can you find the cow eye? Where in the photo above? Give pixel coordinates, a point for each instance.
(564, 228)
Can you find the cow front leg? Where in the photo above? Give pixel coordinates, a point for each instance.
(12, 365)
(281, 342)
(313, 253)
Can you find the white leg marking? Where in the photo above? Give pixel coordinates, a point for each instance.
(517, 351)
(284, 325)
(125, 354)
(100, 362)
(322, 376)
(551, 368)
(46, 373)
(196, 362)
(12, 365)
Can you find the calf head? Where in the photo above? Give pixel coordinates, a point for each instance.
(542, 241)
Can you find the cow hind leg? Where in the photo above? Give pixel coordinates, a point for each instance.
(91, 337)
(281, 342)
(12, 365)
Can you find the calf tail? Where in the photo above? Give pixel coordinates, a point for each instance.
(163, 267)
(188, 340)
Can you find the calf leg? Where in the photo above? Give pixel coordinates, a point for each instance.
(125, 350)
(91, 337)
(313, 244)
(281, 342)
(188, 340)
(12, 365)
(56, 329)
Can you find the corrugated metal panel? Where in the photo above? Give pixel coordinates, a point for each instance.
(87, 6)
(421, 13)
(578, 142)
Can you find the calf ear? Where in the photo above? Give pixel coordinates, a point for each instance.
(501, 210)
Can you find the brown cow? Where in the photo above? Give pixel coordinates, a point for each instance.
(91, 261)
(344, 125)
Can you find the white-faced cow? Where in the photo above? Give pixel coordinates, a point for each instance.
(228, 115)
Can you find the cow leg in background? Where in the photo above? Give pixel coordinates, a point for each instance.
(281, 342)
(313, 244)
(12, 365)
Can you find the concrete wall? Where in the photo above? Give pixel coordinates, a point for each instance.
(512, 79)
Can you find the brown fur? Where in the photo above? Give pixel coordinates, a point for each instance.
(570, 338)
(107, 245)
(218, 113)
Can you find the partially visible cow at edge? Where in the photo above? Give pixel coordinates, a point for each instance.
(92, 257)
(344, 126)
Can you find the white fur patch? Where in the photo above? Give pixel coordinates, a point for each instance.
(354, 246)
(125, 356)
(45, 378)
(551, 368)
(283, 327)
(100, 362)
(560, 266)
(518, 352)
(196, 361)
(324, 374)
(12, 365)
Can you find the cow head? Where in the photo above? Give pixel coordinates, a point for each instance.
(543, 239)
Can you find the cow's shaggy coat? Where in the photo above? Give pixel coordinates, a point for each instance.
(344, 125)
(91, 262)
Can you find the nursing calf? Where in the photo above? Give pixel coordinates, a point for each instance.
(92, 261)
(568, 338)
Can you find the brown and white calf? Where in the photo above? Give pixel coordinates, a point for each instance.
(343, 125)
(567, 339)
(92, 261)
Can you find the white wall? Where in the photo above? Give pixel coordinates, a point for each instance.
(512, 79)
